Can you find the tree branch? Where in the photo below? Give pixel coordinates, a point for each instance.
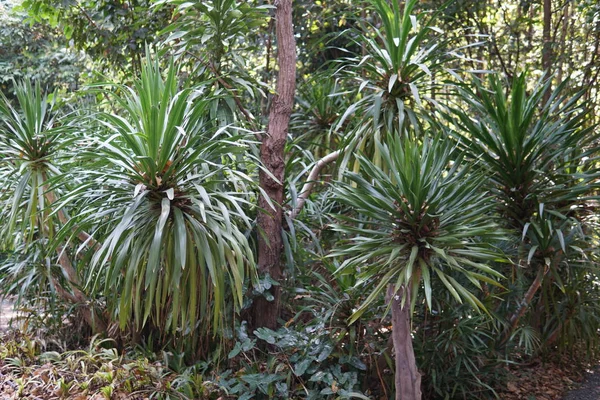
(311, 180)
(526, 301)
(227, 86)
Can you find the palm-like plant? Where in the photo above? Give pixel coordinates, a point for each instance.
(32, 139)
(541, 166)
(319, 105)
(165, 202)
(421, 216)
(533, 155)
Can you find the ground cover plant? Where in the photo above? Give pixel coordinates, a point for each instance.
(415, 219)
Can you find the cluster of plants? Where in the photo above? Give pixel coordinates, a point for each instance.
(437, 223)
(98, 371)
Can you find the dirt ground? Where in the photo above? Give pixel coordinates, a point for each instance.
(7, 313)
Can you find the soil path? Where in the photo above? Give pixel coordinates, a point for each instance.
(7, 313)
(590, 388)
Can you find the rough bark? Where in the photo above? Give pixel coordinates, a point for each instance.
(407, 378)
(270, 241)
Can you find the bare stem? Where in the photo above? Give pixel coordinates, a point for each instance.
(311, 180)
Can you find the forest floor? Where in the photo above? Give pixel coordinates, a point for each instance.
(561, 377)
(589, 390)
(557, 378)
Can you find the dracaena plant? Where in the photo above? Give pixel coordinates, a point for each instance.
(31, 138)
(33, 142)
(211, 37)
(318, 109)
(541, 162)
(421, 216)
(403, 51)
(166, 202)
(533, 154)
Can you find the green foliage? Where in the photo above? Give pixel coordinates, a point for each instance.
(166, 201)
(112, 32)
(35, 52)
(397, 63)
(395, 74)
(453, 349)
(214, 31)
(96, 370)
(318, 111)
(306, 362)
(533, 155)
(211, 40)
(33, 137)
(541, 166)
(394, 78)
(141, 209)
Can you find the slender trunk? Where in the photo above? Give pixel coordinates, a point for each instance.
(591, 70)
(407, 378)
(547, 45)
(77, 297)
(524, 305)
(270, 241)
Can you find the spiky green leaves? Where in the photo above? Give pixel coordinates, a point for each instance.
(31, 139)
(402, 54)
(394, 77)
(420, 216)
(532, 154)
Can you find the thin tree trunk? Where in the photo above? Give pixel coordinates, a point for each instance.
(547, 45)
(563, 42)
(270, 241)
(407, 378)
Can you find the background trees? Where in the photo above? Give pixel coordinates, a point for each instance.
(145, 204)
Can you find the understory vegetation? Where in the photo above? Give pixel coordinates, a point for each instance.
(320, 200)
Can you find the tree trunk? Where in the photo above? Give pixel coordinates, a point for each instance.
(562, 53)
(407, 378)
(270, 241)
(547, 45)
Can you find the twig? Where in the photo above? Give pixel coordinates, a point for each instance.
(87, 16)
